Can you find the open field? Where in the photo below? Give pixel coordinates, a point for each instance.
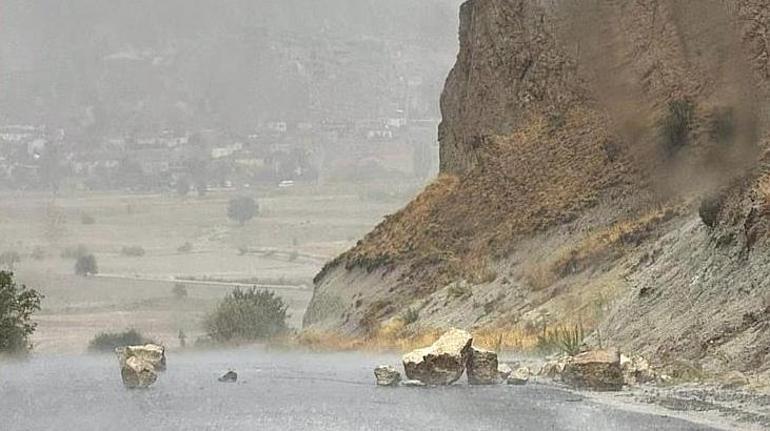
(296, 232)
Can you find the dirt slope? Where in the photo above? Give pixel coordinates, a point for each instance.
(583, 144)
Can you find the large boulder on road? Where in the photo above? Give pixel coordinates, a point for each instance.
(150, 353)
(597, 370)
(482, 367)
(387, 375)
(443, 362)
(137, 373)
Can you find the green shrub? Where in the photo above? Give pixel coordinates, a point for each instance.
(86, 265)
(566, 340)
(410, 316)
(247, 315)
(17, 305)
(109, 341)
(133, 251)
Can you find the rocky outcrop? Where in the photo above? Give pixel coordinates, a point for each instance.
(482, 367)
(443, 362)
(387, 375)
(137, 373)
(563, 124)
(597, 370)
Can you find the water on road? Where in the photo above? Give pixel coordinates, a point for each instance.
(285, 391)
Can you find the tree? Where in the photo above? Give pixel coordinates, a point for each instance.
(247, 315)
(86, 265)
(242, 209)
(17, 304)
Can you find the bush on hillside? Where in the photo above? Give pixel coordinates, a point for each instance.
(109, 341)
(17, 305)
(247, 315)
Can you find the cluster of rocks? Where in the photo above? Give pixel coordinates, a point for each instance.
(600, 370)
(140, 365)
(445, 361)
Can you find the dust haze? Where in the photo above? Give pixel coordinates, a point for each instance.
(156, 155)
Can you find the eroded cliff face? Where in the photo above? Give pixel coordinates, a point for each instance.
(578, 141)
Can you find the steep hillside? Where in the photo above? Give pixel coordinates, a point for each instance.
(601, 162)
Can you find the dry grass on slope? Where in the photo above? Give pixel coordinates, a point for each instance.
(537, 177)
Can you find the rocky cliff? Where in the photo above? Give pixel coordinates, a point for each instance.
(601, 162)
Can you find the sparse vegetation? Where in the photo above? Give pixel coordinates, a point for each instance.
(675, 126)
(86, 265)
(133, 251)
(568, 340)
(108, 341)
(242, 209)
(17, 305)
(247, 315)
(410, 315)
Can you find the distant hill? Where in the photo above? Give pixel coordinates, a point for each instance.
(140, 65)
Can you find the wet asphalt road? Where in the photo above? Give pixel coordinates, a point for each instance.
(285, 391)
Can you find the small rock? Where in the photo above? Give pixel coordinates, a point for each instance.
(229, 377)
(482, 367)
(519, 377)
(150, 353)
(387, 375)
(597, 370)
(137, 373)
(413, 384)
(636, 370)
(503, 371)
(443, 362)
